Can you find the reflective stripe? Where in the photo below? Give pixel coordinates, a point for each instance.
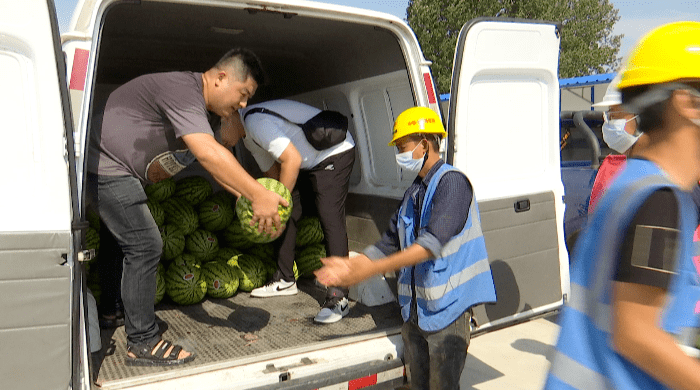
(474, 231)
(456, 280)
(79, 72)
(577, 375)
(580, 300)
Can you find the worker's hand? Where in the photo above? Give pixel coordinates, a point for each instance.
(345, 271)
(265, 213)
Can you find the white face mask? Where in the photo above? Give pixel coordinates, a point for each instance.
(616, 137)
(408, 163)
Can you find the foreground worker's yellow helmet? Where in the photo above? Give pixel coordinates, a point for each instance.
(417, 120)
(667, 53)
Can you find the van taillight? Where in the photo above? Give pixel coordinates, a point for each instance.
(428, 81)
(79, 71)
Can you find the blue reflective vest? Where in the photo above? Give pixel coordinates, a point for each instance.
(447, 286)
(584, 357)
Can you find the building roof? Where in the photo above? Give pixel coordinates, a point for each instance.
(586, 80)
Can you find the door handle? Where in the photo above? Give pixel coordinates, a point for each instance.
(522, 205)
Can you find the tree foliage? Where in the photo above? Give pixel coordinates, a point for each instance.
(587, 43)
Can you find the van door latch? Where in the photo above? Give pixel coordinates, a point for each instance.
(522, 205)
(86, 255)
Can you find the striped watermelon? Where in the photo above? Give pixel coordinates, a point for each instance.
(215, 214)
(265, 252)
(309, 259)
(160, 191)
(181, 214)
(173, 241)
(186, 259)
(222, 281)
(184, 283)
(92, 240)
(223, 196)
(244, 210)
(254, 273)
(202, 244)
(309, 231)
(93, 219)
(235, 237)
(157, 212)
(160, 283)
(193, 189)
(225, 254)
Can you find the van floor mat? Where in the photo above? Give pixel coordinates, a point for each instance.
(242, 327)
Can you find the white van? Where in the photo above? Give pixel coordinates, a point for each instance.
(503, 132)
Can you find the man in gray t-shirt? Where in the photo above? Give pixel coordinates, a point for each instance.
(153, 126)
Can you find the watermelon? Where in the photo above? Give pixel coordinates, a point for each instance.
(92, 240)
(160, 283)
(225, 254)
(308, 259)
(157, 212)
(173, 241)
(235, 237)
(193, 189)
(187, 259)
(223, 196)
(265, 252)
(309, 231)
(215, 214)
(160, 191)
(202, 244)
(244, 210)
(184, 283)
(253, 272)
(93, 219)
(181, 214)
(222, 281)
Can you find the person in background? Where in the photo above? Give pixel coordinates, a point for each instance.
(635, 290)
(435, 241)
(318, 180)
(620, 133)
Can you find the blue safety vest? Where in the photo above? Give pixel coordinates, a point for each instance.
(447, 286)
(584, 357)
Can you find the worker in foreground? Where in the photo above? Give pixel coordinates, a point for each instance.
(436, 242)
(635, 293)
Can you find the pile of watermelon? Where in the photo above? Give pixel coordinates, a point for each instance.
(209, 247)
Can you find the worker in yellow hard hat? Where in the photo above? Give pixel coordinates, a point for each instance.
(435, 242)
(632, 319)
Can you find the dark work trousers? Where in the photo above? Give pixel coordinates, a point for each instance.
(322, 191)
(110, 266)
(436, 359)
(121, 204)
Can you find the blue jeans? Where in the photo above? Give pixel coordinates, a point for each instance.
(436, 359)
(121, 204)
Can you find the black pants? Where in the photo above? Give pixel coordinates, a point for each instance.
(436, 359)
(322, 191)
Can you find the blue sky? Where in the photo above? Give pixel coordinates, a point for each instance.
(636, 17)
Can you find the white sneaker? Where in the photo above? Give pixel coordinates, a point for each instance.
(274, 289)
(333, 314)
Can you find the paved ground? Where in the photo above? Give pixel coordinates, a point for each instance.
(514, 358)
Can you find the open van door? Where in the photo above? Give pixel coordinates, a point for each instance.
(504, 126)
(38, 204)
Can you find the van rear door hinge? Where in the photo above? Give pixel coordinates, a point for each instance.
(86, 255)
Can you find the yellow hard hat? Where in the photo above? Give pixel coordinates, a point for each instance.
(417, 120)
(667, 53)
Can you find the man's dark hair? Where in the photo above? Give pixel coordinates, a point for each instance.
(244, 63)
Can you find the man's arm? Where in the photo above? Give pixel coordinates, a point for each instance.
(289, 165)
(636, 336)
(226, 170)
(348, 271)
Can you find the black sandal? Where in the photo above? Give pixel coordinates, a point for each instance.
(147, 354)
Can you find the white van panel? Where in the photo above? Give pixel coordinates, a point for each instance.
(32, 127)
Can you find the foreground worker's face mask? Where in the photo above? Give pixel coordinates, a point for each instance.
(408, 163)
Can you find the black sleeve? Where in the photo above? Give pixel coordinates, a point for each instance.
(648, 252)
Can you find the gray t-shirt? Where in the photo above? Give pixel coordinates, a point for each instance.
(145, 118)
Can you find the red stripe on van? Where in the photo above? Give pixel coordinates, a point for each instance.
(79, 72)
(429, 87)
(362, 382)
